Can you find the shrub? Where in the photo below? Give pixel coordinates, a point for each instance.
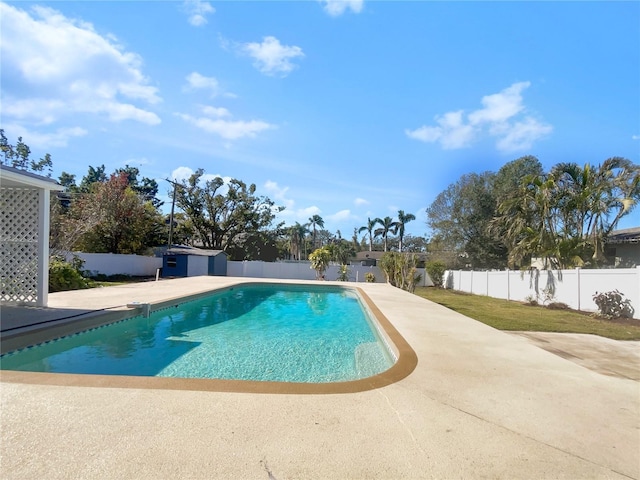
(613, 305)
(343, 273)
(320, 259)
(370, 277)
(400, 270)
(436, 271)
(558, 306)
(66, 276)
(531, 300)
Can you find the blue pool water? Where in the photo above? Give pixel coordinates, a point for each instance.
(254, 332)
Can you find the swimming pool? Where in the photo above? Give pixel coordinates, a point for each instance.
(264, 332)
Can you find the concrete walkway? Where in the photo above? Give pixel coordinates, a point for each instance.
(480, 404)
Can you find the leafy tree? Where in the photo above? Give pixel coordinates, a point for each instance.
(147, 187)
(403, 219)
(123, 221)
(222, 212)
(369, 227)
(68, 181)
(260, 245)
(341, 251)
(508, 179)
(388, 226)
(94, 175)
(460, 218)
(414, 243)
(19, 156)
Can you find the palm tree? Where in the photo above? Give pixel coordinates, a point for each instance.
(617, 190)
(388, 225)
(313, 221)
(369, 229)
(297, 240)
(403, 219)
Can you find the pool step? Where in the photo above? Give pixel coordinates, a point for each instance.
(368, 359)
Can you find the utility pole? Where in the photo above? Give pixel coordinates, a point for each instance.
(173, 205)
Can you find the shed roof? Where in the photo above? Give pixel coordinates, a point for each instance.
(187, 250)
(15, 178)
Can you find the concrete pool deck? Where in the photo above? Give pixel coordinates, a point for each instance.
(480, 403)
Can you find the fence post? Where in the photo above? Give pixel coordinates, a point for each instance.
(487, 283)
(508, 286)
(578, 274)
(637, 305)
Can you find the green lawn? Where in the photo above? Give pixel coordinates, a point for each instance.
(508, 315)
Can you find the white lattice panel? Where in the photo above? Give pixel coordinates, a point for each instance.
(18, 245)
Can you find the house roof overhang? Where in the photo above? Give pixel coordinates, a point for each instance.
(628, 235)
(14, 178)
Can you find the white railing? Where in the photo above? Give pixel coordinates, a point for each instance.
(573, 287)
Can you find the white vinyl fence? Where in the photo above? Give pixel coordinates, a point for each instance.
(303, 271)
(140, 266)
(119, 264)
(573, 287)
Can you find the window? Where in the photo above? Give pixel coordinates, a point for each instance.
(172, 262)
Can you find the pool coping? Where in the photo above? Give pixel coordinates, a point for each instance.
(406, 358)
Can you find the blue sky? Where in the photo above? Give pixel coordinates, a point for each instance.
(348, 110)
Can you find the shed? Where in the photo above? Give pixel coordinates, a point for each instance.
(186, 261)
(24, 236)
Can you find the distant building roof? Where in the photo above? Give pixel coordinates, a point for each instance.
(369, 255)
(187, 250)
(377, 255)
(627, 235)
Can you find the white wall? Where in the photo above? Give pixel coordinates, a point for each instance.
(139, 266)
(573, 287)
(119, 264)
(303, 271)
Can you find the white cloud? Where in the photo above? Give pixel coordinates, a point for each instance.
(58, 138)
(196, 81)
(521, 135)
(55, 67)
(278, 194)
(197, 11)
(215, 111)
(138, 161)
(451, 131)
(228, 129)
(503, 116)
(635, 137)
(360, 202)
(500, 107)
(338, 7)
(271, 57)
(341, 216)
(183, 173)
